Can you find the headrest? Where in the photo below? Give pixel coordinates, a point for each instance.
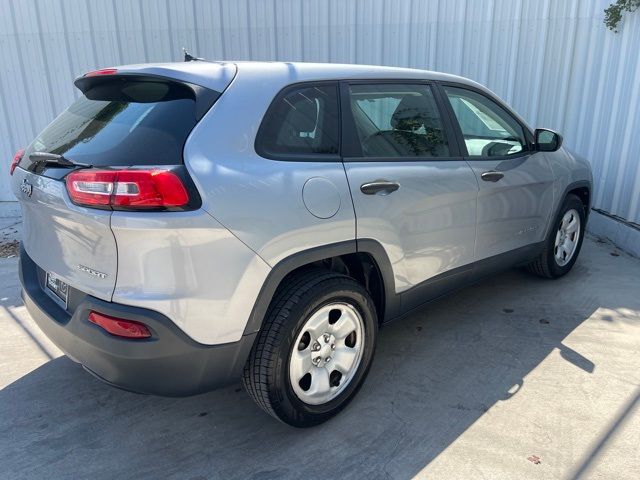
(412, 112)
(303, 115)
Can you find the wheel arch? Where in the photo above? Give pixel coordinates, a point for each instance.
(580, 188)
(365, 260)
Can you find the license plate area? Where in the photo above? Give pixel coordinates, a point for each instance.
(57, 288)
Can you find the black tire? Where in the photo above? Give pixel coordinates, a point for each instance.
(545, 265)
(266, 377)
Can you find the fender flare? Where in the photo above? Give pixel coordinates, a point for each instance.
(305, 257)
(572, 186)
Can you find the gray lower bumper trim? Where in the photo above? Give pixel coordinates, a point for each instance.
(169, 363)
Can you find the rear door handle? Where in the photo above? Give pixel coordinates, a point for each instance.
(492, 176)
(383, 187)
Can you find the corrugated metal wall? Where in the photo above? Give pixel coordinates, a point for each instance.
(553, 60)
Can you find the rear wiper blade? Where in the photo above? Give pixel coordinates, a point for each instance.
(55, 159)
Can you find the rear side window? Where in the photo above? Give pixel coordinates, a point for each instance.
(302, 120)
(398, 120)
(122, 122)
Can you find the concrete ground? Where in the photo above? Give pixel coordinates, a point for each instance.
(516, 377)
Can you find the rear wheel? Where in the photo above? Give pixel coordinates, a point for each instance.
(314, 350)
(564, 241)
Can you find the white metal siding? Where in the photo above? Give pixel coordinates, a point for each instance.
(552, 60)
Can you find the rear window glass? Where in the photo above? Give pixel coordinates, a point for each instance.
(302, 121)
(122, 123)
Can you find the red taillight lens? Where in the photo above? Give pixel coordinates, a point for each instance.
(127, 188)
(91, 187)
(104, 71)
(16, 160)
(149, 188)
(119, 326)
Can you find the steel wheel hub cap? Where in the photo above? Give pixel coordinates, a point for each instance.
(327, 353)
(567, 238)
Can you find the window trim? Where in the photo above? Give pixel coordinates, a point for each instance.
(528, 134)
(351, 147)
(259, 146)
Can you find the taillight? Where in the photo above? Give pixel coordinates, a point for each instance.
(91, 188)
(119, 326)
(16, 160)
(144, 189)
(104, 71)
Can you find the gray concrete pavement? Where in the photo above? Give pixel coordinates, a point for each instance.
(473, 386)
(10, 231)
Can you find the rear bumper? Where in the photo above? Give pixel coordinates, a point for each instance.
(169, 363)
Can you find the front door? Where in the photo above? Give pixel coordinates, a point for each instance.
(412, 190)
(516, 183)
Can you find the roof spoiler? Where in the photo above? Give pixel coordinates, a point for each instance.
(204, 97)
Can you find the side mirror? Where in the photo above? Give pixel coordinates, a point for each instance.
(547, 140)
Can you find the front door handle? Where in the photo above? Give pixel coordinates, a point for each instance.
(383, 187)
(492, 176)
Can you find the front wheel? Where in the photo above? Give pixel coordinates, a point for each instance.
(564, 241)
(314, 350)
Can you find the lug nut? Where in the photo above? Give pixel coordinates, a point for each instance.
(328, 359)
(326, 338)
(316, 347)
(333, 346)
(316, 360)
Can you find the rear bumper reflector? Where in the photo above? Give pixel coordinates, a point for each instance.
(119, 326)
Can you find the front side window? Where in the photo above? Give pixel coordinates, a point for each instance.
(488, 130)
(398, 120)
(304, 120)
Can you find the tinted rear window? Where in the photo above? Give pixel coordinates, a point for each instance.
(122, 123)
(302, 120)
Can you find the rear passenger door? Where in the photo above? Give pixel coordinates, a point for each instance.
(411, 188)
(515, 181)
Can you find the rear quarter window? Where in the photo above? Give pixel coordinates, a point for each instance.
(301, 122)
(120, 123)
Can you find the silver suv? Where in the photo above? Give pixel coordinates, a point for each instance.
(189, 224)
